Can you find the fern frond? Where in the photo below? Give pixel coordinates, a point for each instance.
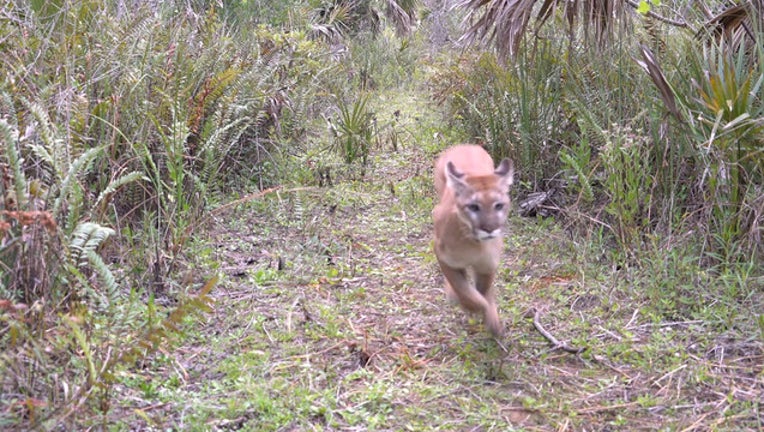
(44, 155)
(87, 237)
(218, 146)
(217, 84)
(149, 165)
(199, 188)
(117, 183)
(261, 118)
(104, 274)
(583, 178)
(10, 136)
(79, 165)
(74, 213)
(54, 152)
(299, 210)
(137, 32)
(7, 110)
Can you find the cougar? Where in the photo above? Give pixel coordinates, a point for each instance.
(468, 220)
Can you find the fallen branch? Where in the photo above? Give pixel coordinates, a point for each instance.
(550, 337)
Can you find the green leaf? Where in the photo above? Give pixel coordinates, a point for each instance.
(644, 7)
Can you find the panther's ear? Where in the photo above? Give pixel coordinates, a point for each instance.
(455, 179)
(506, 173)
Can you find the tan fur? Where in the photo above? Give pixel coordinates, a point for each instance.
(468, 220)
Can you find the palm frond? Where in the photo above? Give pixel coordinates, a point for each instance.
(735, 21)
(504, 23)
(354, 129)
(333, 20)
(327, 32)
(497, 22)
(650, 64)
(402, 14)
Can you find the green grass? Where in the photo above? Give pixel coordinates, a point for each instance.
(355, 333)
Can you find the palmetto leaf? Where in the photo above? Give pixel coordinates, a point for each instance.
(401, 13)
(651, 66)
(354, 129)
(736, 20)
(334, 19)
(504, 23)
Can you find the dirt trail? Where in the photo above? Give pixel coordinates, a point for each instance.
(331, 316)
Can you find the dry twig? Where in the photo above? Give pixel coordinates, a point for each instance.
(550, 337)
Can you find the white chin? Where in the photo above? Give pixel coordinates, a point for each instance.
(482, 235)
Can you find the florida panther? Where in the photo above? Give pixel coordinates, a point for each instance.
(468, 220)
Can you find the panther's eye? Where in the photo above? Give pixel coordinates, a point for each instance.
(473, 208)
(498, 206)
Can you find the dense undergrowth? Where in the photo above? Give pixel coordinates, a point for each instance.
(128, 125)
(597, 125)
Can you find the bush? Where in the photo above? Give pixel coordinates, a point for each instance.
(117, 127)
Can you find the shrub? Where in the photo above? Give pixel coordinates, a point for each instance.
(117, 126)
